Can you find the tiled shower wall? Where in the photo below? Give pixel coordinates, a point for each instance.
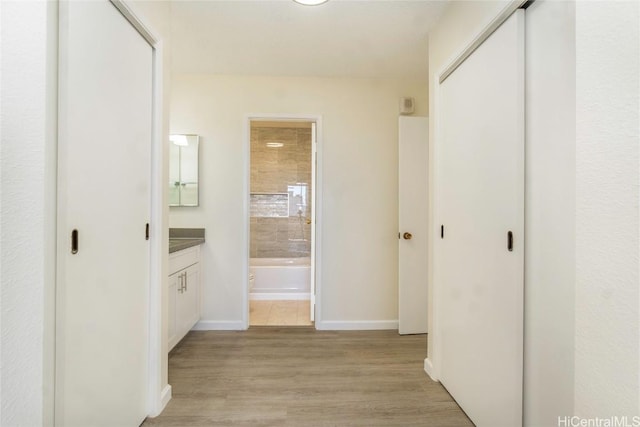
(279, 230)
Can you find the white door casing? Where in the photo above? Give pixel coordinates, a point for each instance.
(106, 124)
(312, 280)
(413, 144)
(480, 198)
(316, 209)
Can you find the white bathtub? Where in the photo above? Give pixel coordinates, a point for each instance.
(280, 278)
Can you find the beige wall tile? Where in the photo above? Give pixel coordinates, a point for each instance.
(272, 171)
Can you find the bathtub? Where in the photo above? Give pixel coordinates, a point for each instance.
(280, 278)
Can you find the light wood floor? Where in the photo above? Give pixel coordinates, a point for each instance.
(297, 376)
(279, 313)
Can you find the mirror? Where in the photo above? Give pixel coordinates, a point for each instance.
(183, 170)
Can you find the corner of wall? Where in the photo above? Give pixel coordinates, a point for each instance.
(607, 313)
(26, 211)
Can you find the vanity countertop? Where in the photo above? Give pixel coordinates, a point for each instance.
(178, 244)
(184, 238)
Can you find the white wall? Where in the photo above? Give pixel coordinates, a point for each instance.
(607, 142)
(360, 196)
(550, 222)
(28, 218)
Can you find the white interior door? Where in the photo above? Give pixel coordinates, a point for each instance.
(312, 288)
(105, 124)
(481, 200)
(413, 195)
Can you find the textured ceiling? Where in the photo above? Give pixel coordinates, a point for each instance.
(354, 38)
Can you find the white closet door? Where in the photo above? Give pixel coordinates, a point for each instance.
(102, 307)
(481, 199)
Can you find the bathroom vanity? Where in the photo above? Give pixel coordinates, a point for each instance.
(185, 288)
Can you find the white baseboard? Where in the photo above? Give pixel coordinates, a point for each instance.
(428, 368)
(159, 405)
(326, 325)
(219, 325)
(357, 325)
(280, 296)
(165, 397)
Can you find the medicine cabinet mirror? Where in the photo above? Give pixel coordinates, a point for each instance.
(183, 170)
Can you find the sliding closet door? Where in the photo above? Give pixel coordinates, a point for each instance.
(105, 122)
(480, 205)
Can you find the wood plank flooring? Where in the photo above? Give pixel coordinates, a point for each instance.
(298, 376)
(279, 313)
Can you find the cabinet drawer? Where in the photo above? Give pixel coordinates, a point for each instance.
(183, 259)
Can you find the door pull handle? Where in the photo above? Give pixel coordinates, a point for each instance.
(510, 241)
(407, 236)
(74, 241)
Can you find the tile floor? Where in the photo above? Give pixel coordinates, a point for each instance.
(279, 313)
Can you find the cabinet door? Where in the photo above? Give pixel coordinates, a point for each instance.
(187, 301)
(193, 288)
(174, 284)
(174, 175)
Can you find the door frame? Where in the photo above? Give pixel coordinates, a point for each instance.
(316, 222)
(157, 396)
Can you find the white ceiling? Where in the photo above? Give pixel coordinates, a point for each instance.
(353, 38)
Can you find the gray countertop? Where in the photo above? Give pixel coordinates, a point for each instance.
(184, 238)
(178, 244)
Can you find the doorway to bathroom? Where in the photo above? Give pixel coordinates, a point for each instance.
(282, 221)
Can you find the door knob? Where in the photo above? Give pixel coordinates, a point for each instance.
(407, 236)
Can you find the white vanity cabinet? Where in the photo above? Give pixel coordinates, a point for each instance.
(184, 293)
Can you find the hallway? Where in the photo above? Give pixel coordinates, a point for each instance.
(298, 376)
